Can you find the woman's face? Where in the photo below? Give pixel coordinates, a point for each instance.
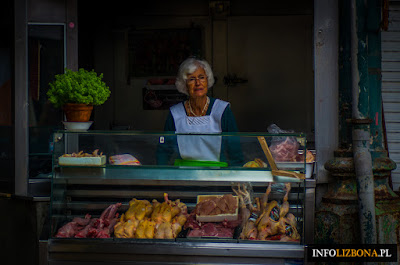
(197, 84)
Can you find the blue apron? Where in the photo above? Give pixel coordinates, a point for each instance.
(200, 147)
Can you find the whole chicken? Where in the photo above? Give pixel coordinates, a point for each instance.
(126, 229)
(291, 233)
(249, 230)
(264, 198)
(178, 207)
(138, 209)
(145, 229)
(167, 230)
(162, 212)
(285, 205)
(177, 224)
(119, 229)
(245, 203)
(164, 231)
(248, 213)
(272, 220)
(169, 217)
(268, 223)
(244, 211)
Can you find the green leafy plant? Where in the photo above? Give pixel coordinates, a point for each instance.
(80, 86)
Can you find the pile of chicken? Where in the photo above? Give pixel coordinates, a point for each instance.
(152, 220)
(266, 220)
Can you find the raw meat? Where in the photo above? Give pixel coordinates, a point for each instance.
(212, 230)
(85, 231)
(221, 229)
(91, 227)
(226, 204)
(285, 151)
(82, 221)
(68, 230)
(73, 227)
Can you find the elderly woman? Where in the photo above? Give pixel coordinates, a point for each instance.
(200, 114)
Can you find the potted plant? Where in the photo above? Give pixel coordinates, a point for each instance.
(76, 92)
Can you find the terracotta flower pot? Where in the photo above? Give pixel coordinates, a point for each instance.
(77, 112)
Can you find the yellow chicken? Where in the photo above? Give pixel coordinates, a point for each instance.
(178, 207)
(130, 228)
(164, 231)
(272, 220)
(138, 209)
(249, 230)
(169, 216)
(162, 212)
(255, 163)
(285, 205)
(145, 229)
(125, 229)
(152, 220)
(119, 230)
(268, 223)
(291, 233)
(177, 224)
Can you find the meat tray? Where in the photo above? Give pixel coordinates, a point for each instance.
(82, 161)
(218, 217)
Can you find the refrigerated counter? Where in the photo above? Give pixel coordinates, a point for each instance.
(95, 171)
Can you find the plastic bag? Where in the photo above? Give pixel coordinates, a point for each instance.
(124, 159)
(283, 148)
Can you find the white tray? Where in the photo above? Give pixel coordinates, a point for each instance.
(82, 161)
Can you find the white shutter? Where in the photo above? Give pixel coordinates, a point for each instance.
(391, 87)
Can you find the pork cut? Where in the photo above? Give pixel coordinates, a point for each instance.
(223, 229)
(226, 204)
(212, 230)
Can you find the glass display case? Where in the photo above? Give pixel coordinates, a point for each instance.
(166, 195)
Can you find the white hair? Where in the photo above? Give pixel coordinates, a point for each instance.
(188, 67)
